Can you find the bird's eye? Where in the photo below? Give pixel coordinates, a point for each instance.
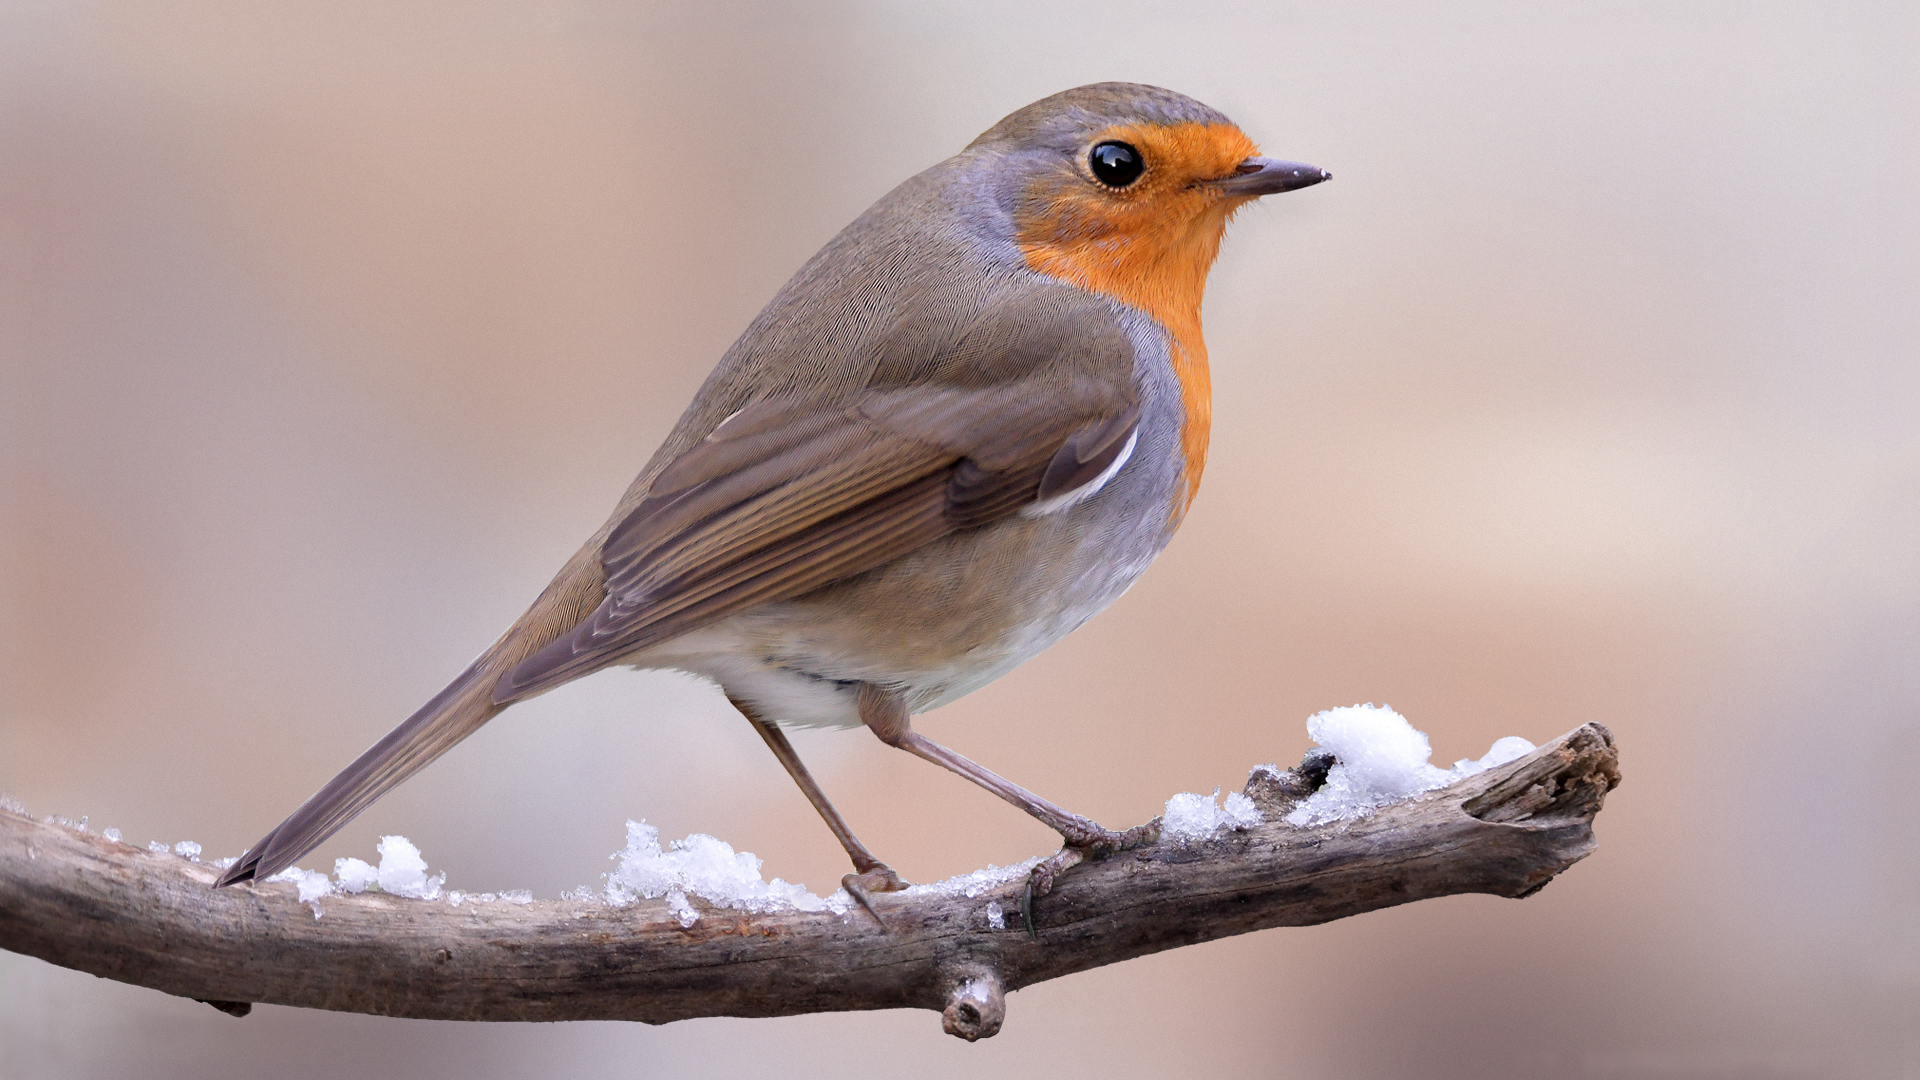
(1116, 164)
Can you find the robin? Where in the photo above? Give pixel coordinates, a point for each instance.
(962, 429)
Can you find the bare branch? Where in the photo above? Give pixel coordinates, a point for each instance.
(78, 900)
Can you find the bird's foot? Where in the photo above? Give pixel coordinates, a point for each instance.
(1084, 840)
(878, 878)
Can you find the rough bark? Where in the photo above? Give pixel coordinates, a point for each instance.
(76, 899)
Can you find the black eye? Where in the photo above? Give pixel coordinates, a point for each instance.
(1116, 164)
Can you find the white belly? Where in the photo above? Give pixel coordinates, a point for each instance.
(801, 663)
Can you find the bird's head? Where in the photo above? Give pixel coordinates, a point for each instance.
(1126, 189)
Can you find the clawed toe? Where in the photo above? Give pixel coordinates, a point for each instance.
(1095, 841)
(1088, 841)
(876, 879)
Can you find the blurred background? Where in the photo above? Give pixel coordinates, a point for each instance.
(1587, 391)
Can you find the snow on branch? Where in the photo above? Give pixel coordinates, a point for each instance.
(1266, 858)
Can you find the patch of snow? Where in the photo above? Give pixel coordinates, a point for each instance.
(706, 867)
(160, 848)
(980, 881)
(1190, 817)
(996, 916)
(1509, 748)
(310, 884)
(1379, 759)
(355, 876)
(404, 873)
(682, 911)
(111, 834)
(189, 849)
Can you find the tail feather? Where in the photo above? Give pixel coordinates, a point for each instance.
(451, 716)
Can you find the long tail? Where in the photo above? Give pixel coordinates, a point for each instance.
(452, 715)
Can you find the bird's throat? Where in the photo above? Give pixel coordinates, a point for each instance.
(1149, 244)
(1166, 279)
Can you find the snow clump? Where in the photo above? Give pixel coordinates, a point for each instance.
(355, 876)
(310, 884)
(979, 881)
(404, 873)
(709, 868)
(1380, 758)
(1191, 816)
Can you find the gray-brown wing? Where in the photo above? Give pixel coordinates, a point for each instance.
(782, 499)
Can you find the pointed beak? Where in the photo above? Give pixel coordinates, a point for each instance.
(1258, 176)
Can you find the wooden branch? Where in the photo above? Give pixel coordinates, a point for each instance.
(76, 899)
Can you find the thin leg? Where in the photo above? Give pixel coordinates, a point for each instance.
(870, 874)
(886, 713)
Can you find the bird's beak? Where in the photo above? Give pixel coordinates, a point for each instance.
(1258, 176)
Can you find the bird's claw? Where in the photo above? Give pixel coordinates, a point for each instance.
(878, 878)
(1083, 842)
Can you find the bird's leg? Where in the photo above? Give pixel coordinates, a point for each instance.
(870, 874)
(885, 711)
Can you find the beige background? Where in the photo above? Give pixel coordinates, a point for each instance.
(1586, 391)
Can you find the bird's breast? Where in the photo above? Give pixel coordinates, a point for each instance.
(1168, 294)
(950, 617)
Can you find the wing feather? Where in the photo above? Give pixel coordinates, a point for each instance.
(792, 500)
(783, 498)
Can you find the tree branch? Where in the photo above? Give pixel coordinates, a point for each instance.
(76, 899)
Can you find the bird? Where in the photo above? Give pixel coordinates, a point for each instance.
(962, 429)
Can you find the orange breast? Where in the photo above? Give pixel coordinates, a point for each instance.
(1149, 245)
